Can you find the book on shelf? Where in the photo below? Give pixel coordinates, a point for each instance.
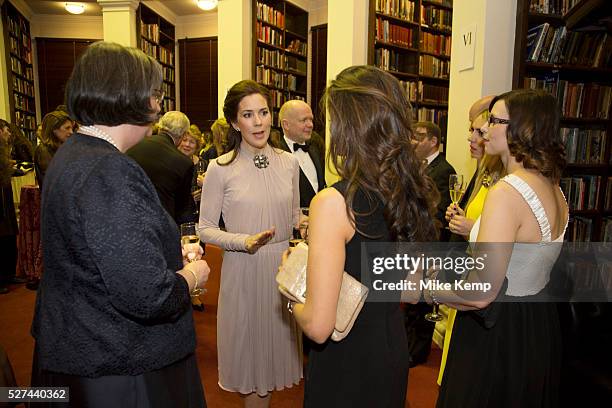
(411, 88)
(436, 43)
(269, 35)
(552, 6)
(298, 47)
(436, 17)
(270, 15)
(150, 32)
(584, 146)
(432, 66)
(393, 33)
(579, 229)
(402, 9)
(272, 58)
(606, 230)
(581, 191)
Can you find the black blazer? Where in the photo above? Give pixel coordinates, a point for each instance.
(307, 193)
(110, 301)
(439, 170)
(171, 173)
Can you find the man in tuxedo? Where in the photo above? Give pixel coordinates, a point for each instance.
(170, 171)
(296, 120)
(427, 148)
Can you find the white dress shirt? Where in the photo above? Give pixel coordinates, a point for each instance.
(306, 164)
(432, 157)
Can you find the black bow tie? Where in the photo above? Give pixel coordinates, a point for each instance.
(297, 146)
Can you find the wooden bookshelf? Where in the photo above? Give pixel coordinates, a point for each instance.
(156, 37)
(20, 72)
(411, 39)
(280, 50)
(576, 67)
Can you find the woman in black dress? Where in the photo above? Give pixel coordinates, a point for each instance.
(113, 318)
(383, 196)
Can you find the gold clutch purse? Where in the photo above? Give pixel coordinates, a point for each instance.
(292, 283)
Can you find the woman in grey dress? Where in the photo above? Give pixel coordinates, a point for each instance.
(255, 187)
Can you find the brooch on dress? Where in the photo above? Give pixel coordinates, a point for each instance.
(261, 161)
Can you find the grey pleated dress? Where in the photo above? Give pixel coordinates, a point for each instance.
(258, 341)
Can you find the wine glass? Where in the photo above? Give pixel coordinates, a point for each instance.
(190, 240)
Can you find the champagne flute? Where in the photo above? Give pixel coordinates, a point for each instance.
(190, 240)
(456, 189)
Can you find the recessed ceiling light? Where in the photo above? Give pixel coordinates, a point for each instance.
(207, 4)
(75, 8)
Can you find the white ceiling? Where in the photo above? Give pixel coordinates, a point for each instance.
(178, 7)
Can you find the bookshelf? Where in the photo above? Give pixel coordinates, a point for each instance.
(20, 72)
(561, 47)
(156, 37)
(280, 51)
(411, 39)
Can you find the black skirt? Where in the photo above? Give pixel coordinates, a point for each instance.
(176, 385)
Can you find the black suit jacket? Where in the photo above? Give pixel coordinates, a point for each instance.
(307, 193)
(171, 173)
(439, 170)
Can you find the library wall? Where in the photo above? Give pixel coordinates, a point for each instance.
(492, 72)
(56, 26)
(196, 26)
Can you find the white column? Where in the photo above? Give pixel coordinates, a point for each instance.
(235, 45)
(493, 28)
(5, 108)
(347, 44)
(119, 19)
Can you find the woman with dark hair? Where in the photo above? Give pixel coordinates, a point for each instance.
(507, 353)
(113, 318)
(256, 189)
(383, 196)
(56, 129)
(8, 219)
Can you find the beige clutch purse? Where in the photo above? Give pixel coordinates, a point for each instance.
(292, 283)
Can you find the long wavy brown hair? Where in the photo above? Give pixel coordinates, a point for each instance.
(371, 148)
(533, 133)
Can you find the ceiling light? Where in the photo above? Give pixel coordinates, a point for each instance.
(75, 8)
(207, 4)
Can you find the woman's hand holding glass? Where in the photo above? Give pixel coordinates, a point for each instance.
(254, 242)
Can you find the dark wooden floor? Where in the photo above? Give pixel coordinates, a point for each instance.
(16, 309)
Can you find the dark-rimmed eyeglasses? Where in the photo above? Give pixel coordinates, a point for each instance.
(497, 121)
(158, 94)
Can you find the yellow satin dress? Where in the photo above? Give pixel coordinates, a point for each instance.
(472, 212)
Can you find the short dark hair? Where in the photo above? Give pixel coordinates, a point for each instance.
(433, 130)
(230, 110)
(112, 85)
(533, 133)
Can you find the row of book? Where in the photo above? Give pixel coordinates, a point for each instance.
(22, 52)
(168, 89)
(552, 6)
(584, 146)
(273, 58)
(402, 9)
(166, 56)
(149, 49)
(19, 68)
(432, 66)
(168, 105)
(581, 192)
(150, 32)
(24, 103)
(436, 17)
(548, 44)
(22, 86)
(26, 120)
(391, 60)
(19, 28)
(577, 100)
(278, 98)
(270, 77)
(579, 229)
(432, 93)
(168, 74)
(393, 33)
(435, 43)
(298, 47)
(437, 116)
(270, 15)
(269, 35)
(608, 199)
(411, 88)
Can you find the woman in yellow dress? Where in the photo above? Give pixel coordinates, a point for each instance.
(489, 169)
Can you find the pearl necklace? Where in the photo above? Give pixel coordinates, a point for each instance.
(99, 133)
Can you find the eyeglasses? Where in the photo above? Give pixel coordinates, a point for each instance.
(158, 94)
(497, 121)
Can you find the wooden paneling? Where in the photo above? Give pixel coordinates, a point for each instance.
(319, 74)
(56, 59)
(198, 73)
